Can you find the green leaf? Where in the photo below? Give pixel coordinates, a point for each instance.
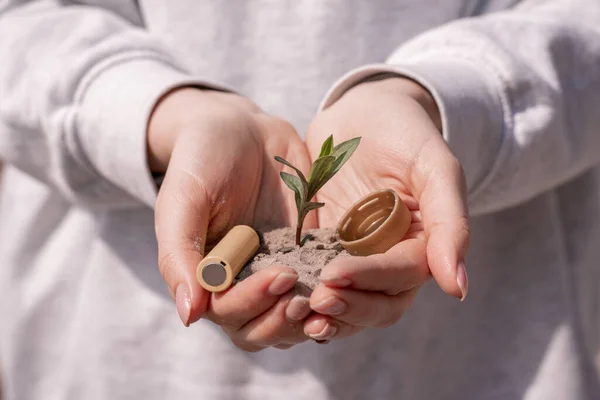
(313, 205)
(318, 172)
(294, 183)
(337, 164)
(300, 174)
(305, 239)
(327, 147)
(343, 151)
(319, 167)
(308, 207)
(322, 173)
(285, 162)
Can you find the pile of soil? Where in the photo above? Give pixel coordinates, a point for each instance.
(277, 248)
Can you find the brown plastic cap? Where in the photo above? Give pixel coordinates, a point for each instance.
(374, 224)
(219, 268)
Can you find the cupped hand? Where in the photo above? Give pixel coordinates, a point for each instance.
(402, 149)
(219, 150)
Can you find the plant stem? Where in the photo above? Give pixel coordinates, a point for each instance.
(298, 234)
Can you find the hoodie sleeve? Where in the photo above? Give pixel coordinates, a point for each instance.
(77, 85)
(519, 94)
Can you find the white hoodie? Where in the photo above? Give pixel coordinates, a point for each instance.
(84, 313)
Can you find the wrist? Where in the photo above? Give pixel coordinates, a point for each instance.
(164, 125)
(399, 85)
(186, 109)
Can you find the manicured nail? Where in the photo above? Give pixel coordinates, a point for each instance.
(284, 282)
(330, 306)
(462, 280)
(327, 333)
(297, 309)
(183, 303)
(335, 281)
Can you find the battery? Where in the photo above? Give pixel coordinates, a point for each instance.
(221, 265)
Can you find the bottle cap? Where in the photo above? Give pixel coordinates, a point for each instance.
(374, 224)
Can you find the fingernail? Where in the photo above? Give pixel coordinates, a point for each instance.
(327, 333)
(298, 308)
(282, 283)
(330, 306)
(335, 281)
(183, 303)
(462, 280)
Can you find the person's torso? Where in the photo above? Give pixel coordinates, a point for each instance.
(285, 55)
(86, 314)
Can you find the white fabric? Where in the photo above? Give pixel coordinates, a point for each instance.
(84, 313)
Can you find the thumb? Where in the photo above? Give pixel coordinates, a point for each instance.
(443, 205)
(182, 215)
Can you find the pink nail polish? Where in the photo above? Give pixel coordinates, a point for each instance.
(462, 279)
(298, 309)
(183, 303)
(331, 306)
(282, 283)
(336, 281)
(327, 333)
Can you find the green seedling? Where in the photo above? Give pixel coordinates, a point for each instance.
(330, 160)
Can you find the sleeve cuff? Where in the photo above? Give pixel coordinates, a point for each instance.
(115, 104)
(470, 102)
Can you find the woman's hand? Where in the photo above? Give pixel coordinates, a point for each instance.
(219, 149)
(402, 149)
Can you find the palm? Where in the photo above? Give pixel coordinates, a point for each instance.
(402, 149)
(371, 168)
(396, 143)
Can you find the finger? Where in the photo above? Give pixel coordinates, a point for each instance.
(324, 328)
(415, 216)
(271, 328)
(415, 231)
(401, 268)
(298, 309)
(181, 220)
(441, 192)
(246, 300)
(361, 308)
